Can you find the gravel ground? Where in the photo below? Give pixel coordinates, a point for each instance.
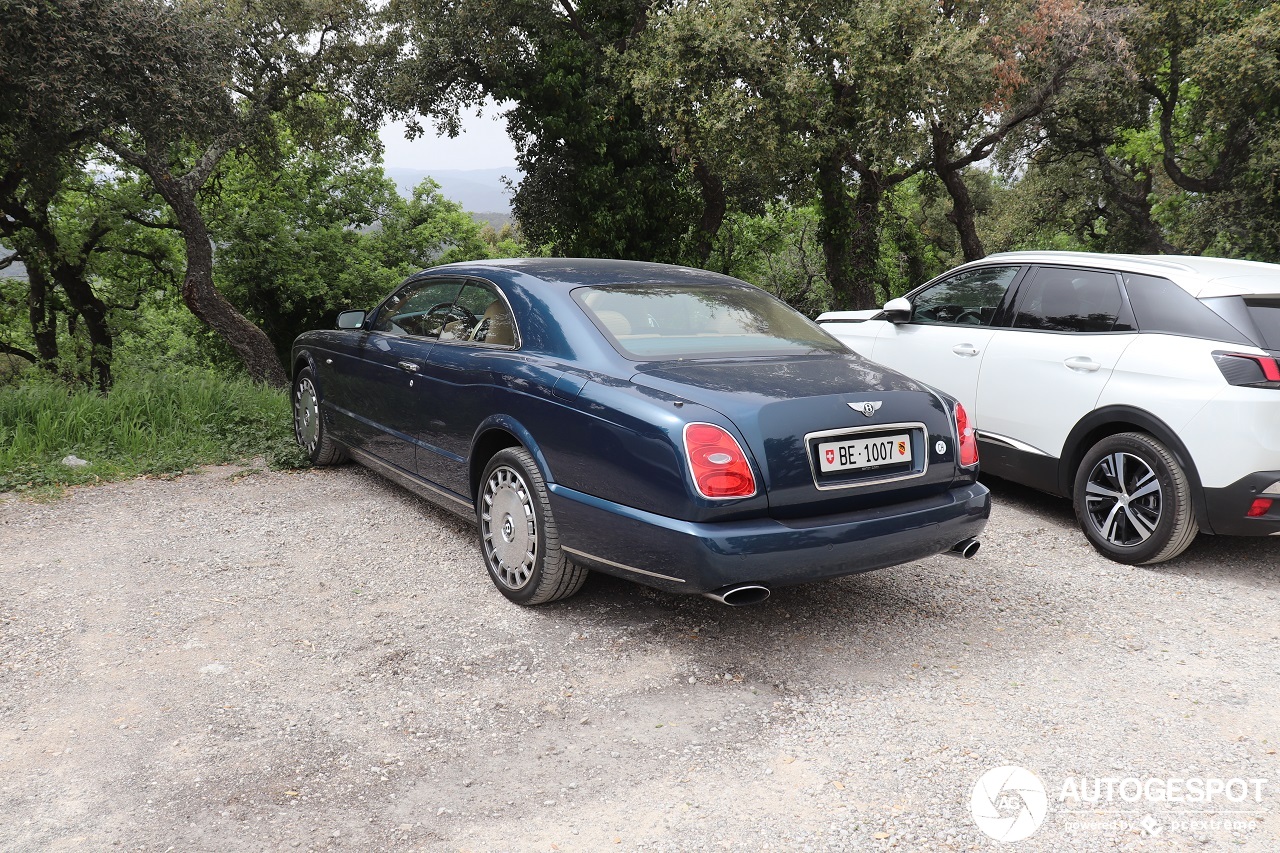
(243, 660)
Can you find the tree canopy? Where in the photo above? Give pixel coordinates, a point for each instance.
(205, 175)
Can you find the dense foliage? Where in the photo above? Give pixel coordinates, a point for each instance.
(191, 184)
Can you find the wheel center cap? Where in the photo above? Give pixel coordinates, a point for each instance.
(508, 528)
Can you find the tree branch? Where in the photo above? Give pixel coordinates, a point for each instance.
(576, 23)
(6, 349)
(147, 223)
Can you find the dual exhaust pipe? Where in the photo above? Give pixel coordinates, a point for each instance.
(745, 594)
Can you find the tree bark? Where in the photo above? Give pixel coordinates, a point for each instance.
(201, 296)
(714, 205)
(962, 215)
(44, 324)
(248, 342)
(850, 230)
(94, 313)
(9, 349)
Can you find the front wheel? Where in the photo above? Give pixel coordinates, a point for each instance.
(1133, 500)
(518, 535)
(308, 422)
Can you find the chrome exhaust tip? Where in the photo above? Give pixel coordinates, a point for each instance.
(739, 595)
(965, 548)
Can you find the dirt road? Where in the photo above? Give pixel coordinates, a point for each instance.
(261, 661)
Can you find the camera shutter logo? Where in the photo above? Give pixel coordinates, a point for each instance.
(1008, 803)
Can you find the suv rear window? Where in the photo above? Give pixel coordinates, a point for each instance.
(654, 322)
(1265, 314)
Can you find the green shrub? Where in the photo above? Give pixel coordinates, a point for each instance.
(148, 424)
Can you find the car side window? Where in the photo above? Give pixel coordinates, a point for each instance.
(480, 315)
(1058, 299)
(1162, 306)
(968, 299)
(420, 308)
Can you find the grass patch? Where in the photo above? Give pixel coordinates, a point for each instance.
(148, 424)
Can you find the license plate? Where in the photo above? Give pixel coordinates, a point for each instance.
(864, 452)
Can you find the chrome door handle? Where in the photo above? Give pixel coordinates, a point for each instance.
(1082, 364)
(966, 350)
(409, 366)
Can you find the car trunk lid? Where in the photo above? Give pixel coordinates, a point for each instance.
(796, 412)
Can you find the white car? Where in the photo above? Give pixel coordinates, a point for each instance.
(1146, 388)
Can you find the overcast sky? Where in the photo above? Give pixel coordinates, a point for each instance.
(483, 144)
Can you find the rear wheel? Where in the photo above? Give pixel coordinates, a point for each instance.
(1133, 500)
(308, 422)
(518, 535)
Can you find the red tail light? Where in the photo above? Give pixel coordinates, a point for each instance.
(1240, 368)
(720, 468)
(968, 438)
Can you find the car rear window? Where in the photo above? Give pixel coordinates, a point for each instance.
(1265, 314)
(1162, 306)
(653, 322)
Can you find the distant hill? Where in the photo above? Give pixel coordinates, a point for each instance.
(477, 190)
(481, 193)
(14, 270)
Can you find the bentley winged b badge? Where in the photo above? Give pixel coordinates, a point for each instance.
(868, 408)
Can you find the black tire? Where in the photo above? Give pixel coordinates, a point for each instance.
(518, 535)
(309, 427)
(1133, 500)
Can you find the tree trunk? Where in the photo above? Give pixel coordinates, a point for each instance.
(248, 342)
(714, 206)
(1132, 195)
(44, 324)
(94, 313)
(868, 209)
(849, 235)
(963, 215)
(834, 229)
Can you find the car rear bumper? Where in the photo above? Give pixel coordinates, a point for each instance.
(685, 556)
(1228, 507)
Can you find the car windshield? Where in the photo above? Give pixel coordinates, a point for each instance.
(676, 321)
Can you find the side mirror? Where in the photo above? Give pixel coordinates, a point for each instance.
(350, 319)
(897, 310)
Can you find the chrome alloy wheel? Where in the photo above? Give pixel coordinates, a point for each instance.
(1123, 499)
(508, 527)
(306, 414)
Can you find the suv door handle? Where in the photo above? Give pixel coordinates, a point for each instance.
(409, 366)
(1082, 364)
(966, 350)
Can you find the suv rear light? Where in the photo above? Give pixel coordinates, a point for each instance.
(720, 469)
(968, 438)
(1259, 371)
(1260, 507)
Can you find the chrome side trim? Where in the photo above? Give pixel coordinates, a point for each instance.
(829, 433)
(419, 487)
(575, 552)
(1011, 442)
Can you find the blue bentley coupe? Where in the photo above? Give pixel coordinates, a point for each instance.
(672, 426)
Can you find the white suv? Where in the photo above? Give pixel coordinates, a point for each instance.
(1145, 388)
